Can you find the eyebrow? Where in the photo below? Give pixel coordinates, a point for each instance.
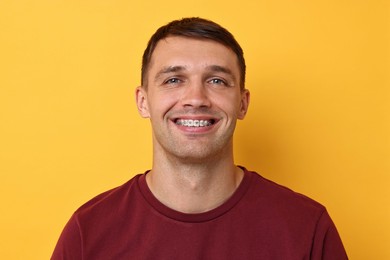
(218, 68)
(169, 69)
(211, 68)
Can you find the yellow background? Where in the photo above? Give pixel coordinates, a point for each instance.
(319, 120)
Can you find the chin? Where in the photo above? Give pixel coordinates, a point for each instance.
(197, 155)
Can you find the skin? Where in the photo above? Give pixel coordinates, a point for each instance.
(193, 168)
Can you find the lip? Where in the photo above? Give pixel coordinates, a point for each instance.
(190, 129)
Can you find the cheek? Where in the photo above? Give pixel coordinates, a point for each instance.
(159, 105)
(230, 104)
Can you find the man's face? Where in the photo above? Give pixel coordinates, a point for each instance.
(193, 98)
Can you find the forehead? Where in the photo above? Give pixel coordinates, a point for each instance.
(192, 53)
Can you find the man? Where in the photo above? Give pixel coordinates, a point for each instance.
(195, 203)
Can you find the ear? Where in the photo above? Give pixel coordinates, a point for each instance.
(245, 98)
(142, 102)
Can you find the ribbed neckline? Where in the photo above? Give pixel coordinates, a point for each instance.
(199, 217)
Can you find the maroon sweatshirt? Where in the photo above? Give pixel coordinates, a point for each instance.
(261, 220)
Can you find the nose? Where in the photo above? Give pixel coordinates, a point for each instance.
(195, 95)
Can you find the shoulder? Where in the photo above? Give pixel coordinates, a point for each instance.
(99, 217)
(282, 199)
(282, 208)
(110, 199)
(291, 214)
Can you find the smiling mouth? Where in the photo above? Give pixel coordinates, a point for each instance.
(194, 122)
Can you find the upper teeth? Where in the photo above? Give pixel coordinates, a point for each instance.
(193, 123)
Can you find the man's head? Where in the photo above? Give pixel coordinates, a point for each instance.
(195, 28)
(193, 90)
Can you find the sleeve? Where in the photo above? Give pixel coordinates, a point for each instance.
(69, 245)
(327, 244)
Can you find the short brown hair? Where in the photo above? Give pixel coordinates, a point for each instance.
(197, 28)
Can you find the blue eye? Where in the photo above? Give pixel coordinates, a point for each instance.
(172, 81)
(217, 81)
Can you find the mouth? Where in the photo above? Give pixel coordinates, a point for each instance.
(194, 122)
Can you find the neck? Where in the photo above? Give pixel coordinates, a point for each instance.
(194, 187)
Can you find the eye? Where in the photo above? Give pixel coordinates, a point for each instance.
(217, 81)
(172, 81)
